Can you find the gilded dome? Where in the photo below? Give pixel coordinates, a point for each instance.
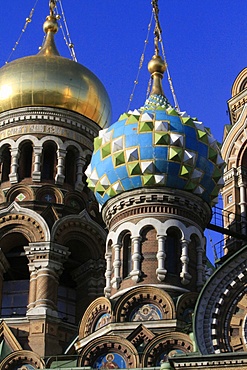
(156, 146)
(47, 79)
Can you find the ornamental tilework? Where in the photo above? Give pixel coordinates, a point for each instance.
(156, 146)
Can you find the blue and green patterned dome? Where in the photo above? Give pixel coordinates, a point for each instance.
(156, 146)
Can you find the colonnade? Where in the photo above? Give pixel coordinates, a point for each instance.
(37, 154)
(114, 258)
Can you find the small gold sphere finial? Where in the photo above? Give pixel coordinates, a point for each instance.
(157, 67)
(156, 64)
(50, 24)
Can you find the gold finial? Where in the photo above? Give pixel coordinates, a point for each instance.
(156, 66)
(52, 5)
(50, 28)
(157, 30)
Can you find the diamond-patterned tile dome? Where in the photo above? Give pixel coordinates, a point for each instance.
(156, 146)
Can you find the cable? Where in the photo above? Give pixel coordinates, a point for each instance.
(28, 20)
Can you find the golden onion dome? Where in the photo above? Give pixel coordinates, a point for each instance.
(47, 79)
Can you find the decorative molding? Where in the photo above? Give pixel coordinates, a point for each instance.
(69, 223)
(143, 295)
(35, 225)
(213, 312)
(114, 344)
(21, 358)
(62, 117)
(161, 203)
(163, 345)
(96, 309)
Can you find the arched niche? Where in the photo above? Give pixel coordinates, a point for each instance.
(49, 161)
(82, 278)
(71, 165)
(15, 284)
(5, 163)
(173, 251)
(25, 160)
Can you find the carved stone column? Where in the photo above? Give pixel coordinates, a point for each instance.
(136, 258)
(185, 276)
(45, 265)
(242, 198)
(107, 290)
(200, 268)
(60, 176)
(161, 256)
(32, 287)
(80, 163)
(36, 175)
(15, 154)
(117, 265)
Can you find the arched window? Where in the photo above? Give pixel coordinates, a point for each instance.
(70, 166)
(244, 159)
(25, 161)
(5, 162)
(49, 162)
(78, 282)
(148, 250)
(16, 279)
(173, 251)
(127, 261)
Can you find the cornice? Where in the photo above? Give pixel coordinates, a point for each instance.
(163, 203)
(42, 117)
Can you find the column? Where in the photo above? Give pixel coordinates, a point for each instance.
(32, 287)
(15, 154)
(200, 268)
(161, 256)
(242, 202)
(1, 168)
(185, 276)
(4, 266)
(80, 163)
(60, 176)
(116, 265)
(136, 259)
(46, 265)
(107, 290)
(36, 175)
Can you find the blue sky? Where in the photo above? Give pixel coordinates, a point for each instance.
(205, 44)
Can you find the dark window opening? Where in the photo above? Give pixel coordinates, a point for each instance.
(49, 162)
(70, 167)
(25, 161)
(173, 252)
(5, 164)
(127, 256)
(16, 278)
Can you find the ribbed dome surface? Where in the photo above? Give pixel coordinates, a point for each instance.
(156, 146)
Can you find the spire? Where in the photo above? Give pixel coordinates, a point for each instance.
(50, 27)
(156, 66)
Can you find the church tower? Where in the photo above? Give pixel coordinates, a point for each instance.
(156, 172)
(51, 235)
(234, 151)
